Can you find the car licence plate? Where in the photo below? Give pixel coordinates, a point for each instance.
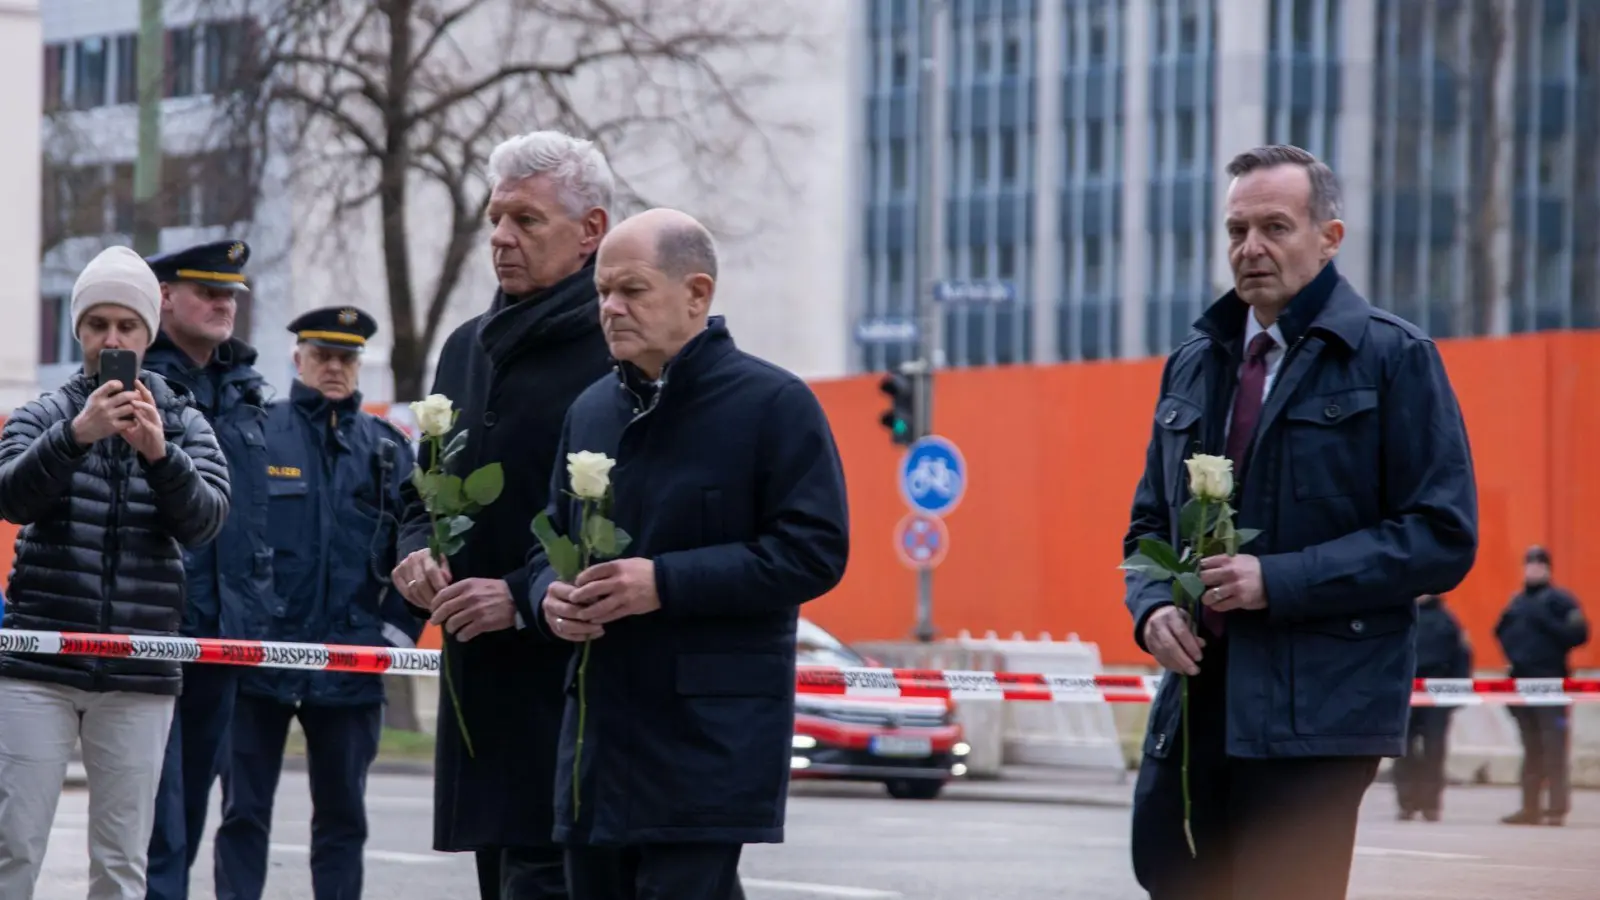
(896, 745)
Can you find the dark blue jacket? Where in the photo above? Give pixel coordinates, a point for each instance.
(229, 580)
(1361, 481)
(1537, 631)
(334, 474)
(728, 478)
(1442, 647)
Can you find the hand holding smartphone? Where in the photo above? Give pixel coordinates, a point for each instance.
(108, 412)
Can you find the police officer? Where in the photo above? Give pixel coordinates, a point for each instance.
(229, 581)
(1538, 629)
(1443, 651)
(334, 475)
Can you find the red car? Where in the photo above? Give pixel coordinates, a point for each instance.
(910, 744)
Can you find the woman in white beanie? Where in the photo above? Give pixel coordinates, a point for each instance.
(110, 483)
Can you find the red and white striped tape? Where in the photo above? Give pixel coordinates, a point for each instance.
(826, 680)
(264, 654)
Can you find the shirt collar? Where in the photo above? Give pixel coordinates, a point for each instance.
(1252, 327)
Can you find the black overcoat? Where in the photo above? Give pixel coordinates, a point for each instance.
(513, 371)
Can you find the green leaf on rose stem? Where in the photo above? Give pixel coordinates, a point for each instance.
(1147, 567)
(483, 487)
(1246, 535)
(562, 553)
(447, 494)
(1189, 519)
(454, 448)
(419, 480)
(600, 533)
(1192, 585)
(454, 545)
(1179, 598)
(1163, 555)
(460, 525)
(623, 540)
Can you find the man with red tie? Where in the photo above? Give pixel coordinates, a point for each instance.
(1351, 458)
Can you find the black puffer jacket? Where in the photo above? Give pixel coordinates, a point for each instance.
(101, 544)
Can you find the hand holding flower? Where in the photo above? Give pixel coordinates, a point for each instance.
(617, 589)
(1232, 582)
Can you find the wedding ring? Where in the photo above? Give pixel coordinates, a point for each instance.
(412, 583)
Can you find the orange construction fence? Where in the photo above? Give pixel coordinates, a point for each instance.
(1053, 453)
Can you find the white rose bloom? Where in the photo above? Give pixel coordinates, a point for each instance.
(1210, 477)
(434, 415)
(590, 473)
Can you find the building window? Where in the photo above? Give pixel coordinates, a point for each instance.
(1010, 156)
(180, 62)
(55, 76)
(56, 342)
(90, 74)
(127, 53)
(898, 175)
(122, 208)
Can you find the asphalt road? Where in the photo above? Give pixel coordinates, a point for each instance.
(850, 841)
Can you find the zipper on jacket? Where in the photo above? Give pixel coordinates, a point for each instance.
(108, 565)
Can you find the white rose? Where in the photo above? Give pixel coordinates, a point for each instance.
(590, 474)
(434, 415)
(1210, 477)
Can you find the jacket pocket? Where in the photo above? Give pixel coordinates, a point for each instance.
(1165, 718)
(1351, 675)
(1177, 420)
(713, 522)
(733, 736)
(1333, 442)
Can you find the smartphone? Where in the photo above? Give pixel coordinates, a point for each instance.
(119, 365)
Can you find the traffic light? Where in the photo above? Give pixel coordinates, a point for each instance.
(900, 417)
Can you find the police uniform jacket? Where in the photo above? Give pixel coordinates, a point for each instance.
(230, 579)
(333, 475)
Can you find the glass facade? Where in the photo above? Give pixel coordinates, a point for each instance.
(1180, 216)
(1466, 234)
(989, 175)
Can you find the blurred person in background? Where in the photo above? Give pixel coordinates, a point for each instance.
(1349, 452)
(1443, 651)
(1538, 630)
(335, 473)
(511, 371)
(230, 579)
(110, 482)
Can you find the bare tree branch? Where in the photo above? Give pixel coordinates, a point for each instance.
(383, 102)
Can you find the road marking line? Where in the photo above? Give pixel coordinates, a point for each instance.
(822, 890)
(394, 856)
(1414, 854)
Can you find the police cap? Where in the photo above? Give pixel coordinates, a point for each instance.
(335, 327)
(217, 264)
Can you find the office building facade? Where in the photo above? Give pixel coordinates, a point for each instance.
(1083, 143)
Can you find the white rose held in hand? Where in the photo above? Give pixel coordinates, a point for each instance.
(434, 415)
(1210, 477)
(590, 473)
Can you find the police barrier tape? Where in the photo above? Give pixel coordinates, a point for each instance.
(824, 680)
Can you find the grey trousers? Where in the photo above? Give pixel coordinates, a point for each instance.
(124, 737)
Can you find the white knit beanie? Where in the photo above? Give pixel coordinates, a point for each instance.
(122, 277)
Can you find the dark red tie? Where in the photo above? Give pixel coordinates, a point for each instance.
(1246, 413)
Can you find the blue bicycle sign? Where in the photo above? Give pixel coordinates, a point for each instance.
(933, 476)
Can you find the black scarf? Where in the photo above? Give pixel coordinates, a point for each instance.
(515, 325)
